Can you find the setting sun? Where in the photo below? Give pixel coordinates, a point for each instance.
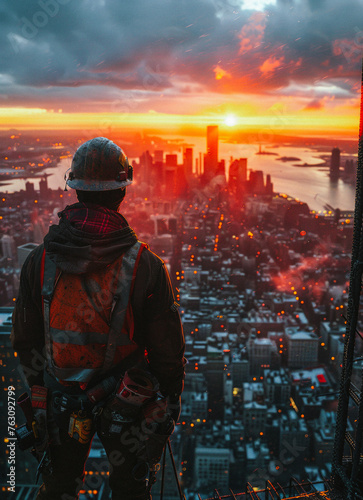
(230, 120)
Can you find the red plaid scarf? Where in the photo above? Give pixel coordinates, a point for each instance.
(94, 219)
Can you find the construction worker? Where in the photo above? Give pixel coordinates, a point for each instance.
(99, 338)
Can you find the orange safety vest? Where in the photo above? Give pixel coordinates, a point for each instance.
(88, 319)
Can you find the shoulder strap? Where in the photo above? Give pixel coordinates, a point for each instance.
(48, 281)
(121, 301)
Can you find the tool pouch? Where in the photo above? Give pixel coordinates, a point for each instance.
(80, 427)
(114, 416)
(39, 396)
(156, 441)
(60, 410)
(156, 428)
(24, 437)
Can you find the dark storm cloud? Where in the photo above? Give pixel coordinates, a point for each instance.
(317, 33)
(74, 51)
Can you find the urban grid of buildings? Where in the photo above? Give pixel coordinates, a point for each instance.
(262, 285)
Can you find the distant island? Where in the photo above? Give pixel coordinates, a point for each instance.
(307, 165)
(324, 162)
(288, 158)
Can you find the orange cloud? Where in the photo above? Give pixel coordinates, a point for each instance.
(251, 35)
(270, 65)
(221, 73)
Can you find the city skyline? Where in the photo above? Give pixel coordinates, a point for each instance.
(298, 165)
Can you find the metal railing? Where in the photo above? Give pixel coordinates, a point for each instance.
(295, 489)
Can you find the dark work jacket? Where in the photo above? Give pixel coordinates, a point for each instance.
(74, 250)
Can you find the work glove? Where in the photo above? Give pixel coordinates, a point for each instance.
(174, 407)
(39, 404)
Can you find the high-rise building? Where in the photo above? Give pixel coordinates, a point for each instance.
(201, 165)
(7, 246)
(24, 251)
(335, 163)
(269, 185)
(302, 349)
(43, 188)
(211, 160)
(29, 190)
(221, 169)
(145, 168)
(240, 371)
(211, 467)
(215, 383)
(170, 176)
(171, 160)
(158, 172)
(188, 162)
(261, 352)
(323, 441)
(255, 416)
(277, 386)
(158, 155)
(175, 179)
(237, 175)
(257, 185)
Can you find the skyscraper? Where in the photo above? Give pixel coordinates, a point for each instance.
(29, 190)
(158, 155)
(237, 175)
(211, 160)
(43, 188)
(335, 163)
(188, 162)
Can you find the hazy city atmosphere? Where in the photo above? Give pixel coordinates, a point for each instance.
(241, 121)
(261, 279)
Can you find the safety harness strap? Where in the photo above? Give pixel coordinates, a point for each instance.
(120, 303)
(49, 273)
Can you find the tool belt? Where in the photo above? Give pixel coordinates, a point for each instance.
(130, 405)
(108, 406)
(74, 414)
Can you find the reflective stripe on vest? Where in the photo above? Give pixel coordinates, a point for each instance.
(88, 318)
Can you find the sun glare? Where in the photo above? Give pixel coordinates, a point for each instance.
(230, 120)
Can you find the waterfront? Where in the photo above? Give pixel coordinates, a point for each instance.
(309, 184)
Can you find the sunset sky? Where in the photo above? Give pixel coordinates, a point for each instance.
(289, 65)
